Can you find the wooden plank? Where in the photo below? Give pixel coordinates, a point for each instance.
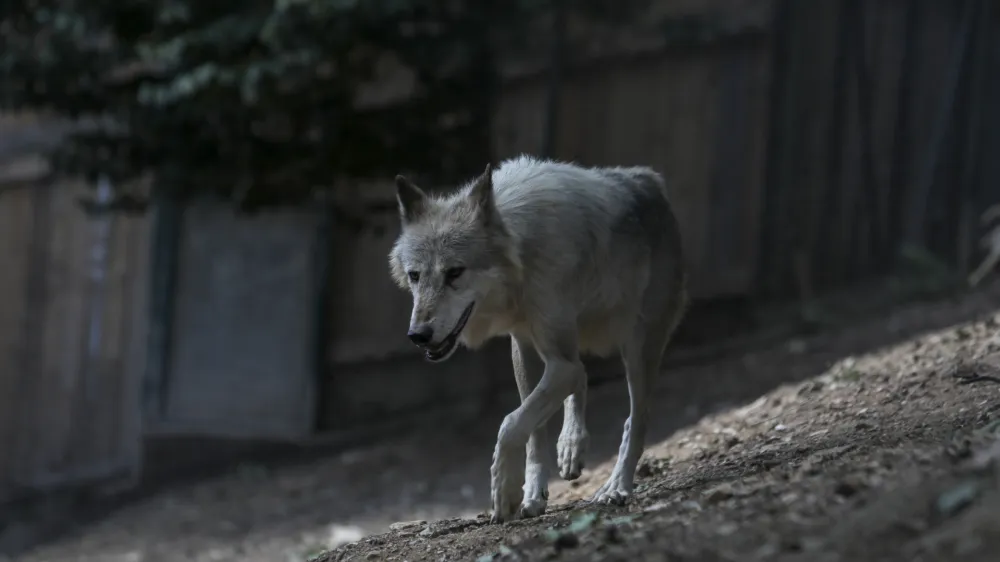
(135, 326)
(686, 123)
(15, 231)
(61, 428)
(757, 142)
(518, 125)
(571, 137)
(631, 95)
(737, 172)
(36, 304)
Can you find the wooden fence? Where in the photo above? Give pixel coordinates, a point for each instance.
(72, 335)
(882, 123)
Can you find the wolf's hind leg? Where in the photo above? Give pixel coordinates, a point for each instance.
(642, 355)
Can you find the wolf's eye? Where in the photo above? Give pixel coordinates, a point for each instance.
(414, 276)
(453, 274)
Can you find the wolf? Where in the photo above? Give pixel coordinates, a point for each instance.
(567, 261)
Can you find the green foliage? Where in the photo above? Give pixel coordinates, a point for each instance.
(262, 100)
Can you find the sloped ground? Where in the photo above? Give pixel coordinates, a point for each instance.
(892, 455)
(849, 444)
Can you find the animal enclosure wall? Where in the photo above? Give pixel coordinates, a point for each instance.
(72, 339)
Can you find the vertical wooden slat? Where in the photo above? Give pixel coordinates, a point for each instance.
(36, 296)
(137, 284)
(902, 138)
(15, 231)
(933, 149)
(733, 186)
(64, 318)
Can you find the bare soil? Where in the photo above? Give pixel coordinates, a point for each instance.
(878, 441)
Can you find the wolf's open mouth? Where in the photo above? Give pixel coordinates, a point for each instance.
(448, 345)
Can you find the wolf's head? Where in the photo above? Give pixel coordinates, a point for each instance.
(453, 254)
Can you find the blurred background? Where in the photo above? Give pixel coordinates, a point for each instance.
(196, 207)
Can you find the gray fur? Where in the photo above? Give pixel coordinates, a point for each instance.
(567, 261)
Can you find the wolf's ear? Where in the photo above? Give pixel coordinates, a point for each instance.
(482, 192)
(412, 200)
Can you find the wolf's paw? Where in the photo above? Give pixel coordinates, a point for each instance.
(507, 479)
(532, 507)
(571, 448)
(536, 492)
(613, 492)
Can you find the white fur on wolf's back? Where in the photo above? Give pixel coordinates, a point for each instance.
(561, 218)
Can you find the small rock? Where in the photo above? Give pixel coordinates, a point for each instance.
(811, 387)
(373, 555)
(719, 493)
(399, 526)
(958, 497)
(658, 506)
(429, 533)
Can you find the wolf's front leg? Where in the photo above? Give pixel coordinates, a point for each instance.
(528, 368)
(560, 378)
(573, 438)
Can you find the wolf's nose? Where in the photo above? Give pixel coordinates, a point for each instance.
(421, 336)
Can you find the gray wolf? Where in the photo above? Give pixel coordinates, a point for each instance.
(566, 261)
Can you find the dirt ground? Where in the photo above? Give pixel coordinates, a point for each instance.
(878, 441)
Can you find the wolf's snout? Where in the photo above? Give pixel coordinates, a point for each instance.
(421, 335)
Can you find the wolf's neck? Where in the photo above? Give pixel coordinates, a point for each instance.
(497, 313)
